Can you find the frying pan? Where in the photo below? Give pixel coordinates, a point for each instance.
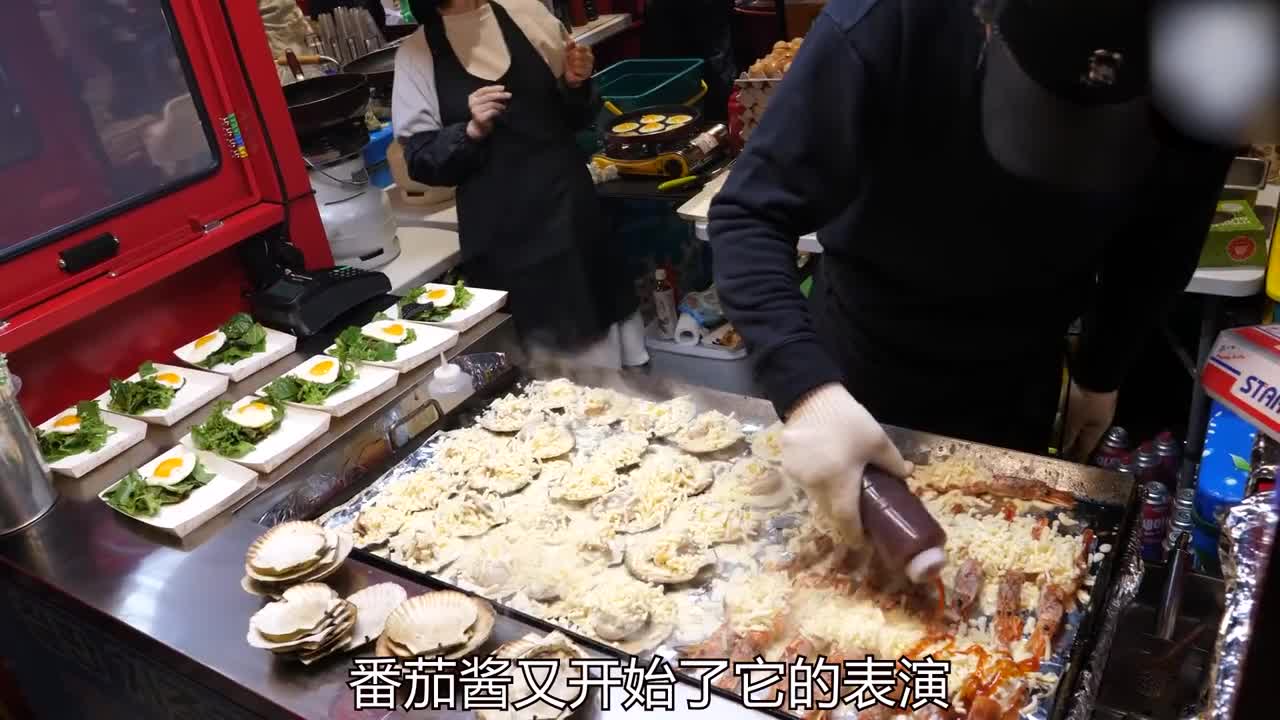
(378, 66)
(320, 102)
(634, 147)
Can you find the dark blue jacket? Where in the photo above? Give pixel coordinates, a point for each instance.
(937, 264)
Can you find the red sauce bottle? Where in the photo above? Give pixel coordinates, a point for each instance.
(900, 527)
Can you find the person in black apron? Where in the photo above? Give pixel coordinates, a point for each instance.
(529, 219)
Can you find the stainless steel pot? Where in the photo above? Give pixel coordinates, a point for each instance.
(26, 491)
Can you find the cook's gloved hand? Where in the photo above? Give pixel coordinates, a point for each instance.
(1089, 414)
(827, 441)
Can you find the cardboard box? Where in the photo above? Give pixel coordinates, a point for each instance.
(1236, 238)
(1243, 373)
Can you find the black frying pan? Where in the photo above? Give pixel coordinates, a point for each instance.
(378, 66)
(634, 145)
(320, 102)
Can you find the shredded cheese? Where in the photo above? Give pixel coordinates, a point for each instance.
(753, 603)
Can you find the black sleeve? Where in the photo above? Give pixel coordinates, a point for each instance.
(1146, 266)
(444, 157)
(580, 104)
(795, 175)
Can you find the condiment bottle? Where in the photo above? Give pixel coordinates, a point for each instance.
(448, 379)
(900, 527)
(664, 303)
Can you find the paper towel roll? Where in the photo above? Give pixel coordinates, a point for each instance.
(688, 331)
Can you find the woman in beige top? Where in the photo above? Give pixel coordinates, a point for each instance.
(488, 97)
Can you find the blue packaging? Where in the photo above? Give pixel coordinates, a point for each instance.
(1224, 464)
(375, 156)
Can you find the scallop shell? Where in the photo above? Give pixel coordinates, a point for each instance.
(601, 406)
(760, 484)
(559, 489)
(295, 616)
(286, 549)
(649, 637)
(621, 502)
(506, 414)
(419, 491)
(386, 647)
(640, 417)
(462, 449)
(672, 415)
(334, 625)
(556, 647)
(377, 523)
(640, 562)
(682, 473)
(553, 440)
(767, 443)
(486, 574)
(621, 450)
(432, 622)
(490, 510)
(373, 605)
(480, 632)
(503, 473)
(695, 437)
(555, 394)
(422, 549)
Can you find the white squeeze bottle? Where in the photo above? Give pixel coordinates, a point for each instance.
(448, 379)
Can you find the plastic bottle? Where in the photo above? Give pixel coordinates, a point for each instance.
(664, 303)
(448, 379)
(900, 527)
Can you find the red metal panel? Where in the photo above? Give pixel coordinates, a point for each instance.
(75, 362)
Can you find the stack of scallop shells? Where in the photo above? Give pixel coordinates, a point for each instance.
(756, 84)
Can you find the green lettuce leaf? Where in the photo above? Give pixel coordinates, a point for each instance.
(134, 496)
(245, 338)
(355, 345)
(461, 299)
(90, 437)
(291, 388)
(139, 396)
(220, 435)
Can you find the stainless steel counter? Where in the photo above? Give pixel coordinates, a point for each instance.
(181, 605)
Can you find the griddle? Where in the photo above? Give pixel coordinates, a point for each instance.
(1105, 499)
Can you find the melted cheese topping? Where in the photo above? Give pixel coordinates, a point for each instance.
(469, 515)
(709, 431)
(621, 450)
(717, 520)
(422, 490)
(461, 450)
(376, 523)
(767, 443)
(547, 441)
(1001, 545)
(753, 603)
(507, 414)
(676, 553)
(585, 482)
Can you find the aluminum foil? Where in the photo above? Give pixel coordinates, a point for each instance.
(1244, 546)
(1124, 588)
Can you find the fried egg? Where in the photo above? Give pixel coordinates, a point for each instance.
(626, 127)
(202, 348)
(251, 413)
(321, 370)
(66, 423)
(173, 470)
(679, 119)
(649, 119)
(652, 128)
(441, 297)
(391, 331)
(170, 379)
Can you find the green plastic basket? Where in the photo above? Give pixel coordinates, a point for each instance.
(635, 84)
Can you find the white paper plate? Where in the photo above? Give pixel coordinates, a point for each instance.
(201, 387)
(483, 304)
(369, 383)
(431, 341)
(278, 345)
(129, 432)
(230, 483)
(298, 428)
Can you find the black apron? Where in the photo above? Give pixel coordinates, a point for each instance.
(529, 219)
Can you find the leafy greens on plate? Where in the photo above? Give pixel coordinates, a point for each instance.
(461, 299)
(291, 388)
(355, 345)
(91, 436)
(133, 496)
(139, 396)
(244, 339)
(226, 438)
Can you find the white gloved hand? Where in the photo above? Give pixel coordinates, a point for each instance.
(828, 439)
(1089, 414)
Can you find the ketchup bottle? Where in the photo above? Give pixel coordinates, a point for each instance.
(900, 527)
